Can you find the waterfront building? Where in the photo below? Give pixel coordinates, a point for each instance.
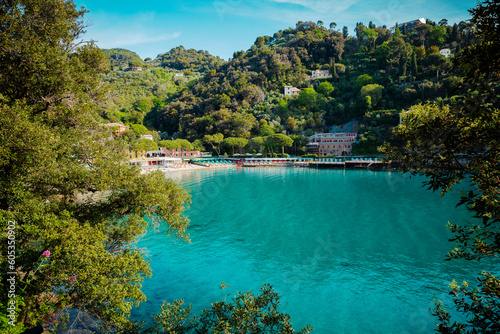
(137, 154)
(292, 91)
(180, 153)
(339, 144)
(319, 74)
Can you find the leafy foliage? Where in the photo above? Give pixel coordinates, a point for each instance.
(248, 313)
(122, 57)
(181, 59)
(76, 203)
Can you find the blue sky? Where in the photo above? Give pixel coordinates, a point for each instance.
(224, 26)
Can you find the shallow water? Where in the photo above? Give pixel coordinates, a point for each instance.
(349, 251)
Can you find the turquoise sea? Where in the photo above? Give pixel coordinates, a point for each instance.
(349, 251)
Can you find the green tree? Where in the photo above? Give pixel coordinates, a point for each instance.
(214, 141)
(232, 142)
(144, 105)
(257, 142)
(420, 52)
(366, 103)
(437, 36)
(423, 30)
(397, 31)
(345, 32)
(139, 129)
(307, 97)
(399, 52)
(325, 88)
(265, 129)
(143, 144)
(363, 80)
(241, 143)
(291, 124)
(414, 65)
(76, 203)
(279, 140)
(375, 92)
(370, 35)
(198, 145)
(170, 144)
(184, 144)
(359, 28)
(248, 313)
(460, 143)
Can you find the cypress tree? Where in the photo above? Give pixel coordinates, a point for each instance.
(414, 65)
(402, 66)
(333, 70)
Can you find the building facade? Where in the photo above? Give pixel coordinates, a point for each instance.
(180, 153)
(319, 74)
(137, 154)
(411, 25)
(117, 129)
(339, 144)
(445, 52)
(292, 91)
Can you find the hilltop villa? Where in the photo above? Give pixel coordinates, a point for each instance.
(320, 74)
(292, 91)
(412, 24)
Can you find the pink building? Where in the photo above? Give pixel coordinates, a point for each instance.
(339, 144)
(180, 153)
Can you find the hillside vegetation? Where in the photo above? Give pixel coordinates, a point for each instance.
(375, 75)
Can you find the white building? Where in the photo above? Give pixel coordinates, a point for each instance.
(339, 144)
(147, 137)
(411, 24)
(292, 91)
(319, 74)
(445, 52)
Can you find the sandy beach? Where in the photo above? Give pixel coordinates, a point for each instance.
(183, 168)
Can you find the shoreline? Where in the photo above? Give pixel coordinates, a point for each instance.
(366, 165)
(183, 168)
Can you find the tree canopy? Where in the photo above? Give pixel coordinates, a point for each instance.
(74, 200)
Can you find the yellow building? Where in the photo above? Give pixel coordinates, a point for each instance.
(137, 154)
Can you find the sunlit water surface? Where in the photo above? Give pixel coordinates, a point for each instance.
(349, 251)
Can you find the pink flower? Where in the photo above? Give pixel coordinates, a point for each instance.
(46, 254)
(71, 279)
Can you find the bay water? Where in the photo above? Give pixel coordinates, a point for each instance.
(349, 251)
